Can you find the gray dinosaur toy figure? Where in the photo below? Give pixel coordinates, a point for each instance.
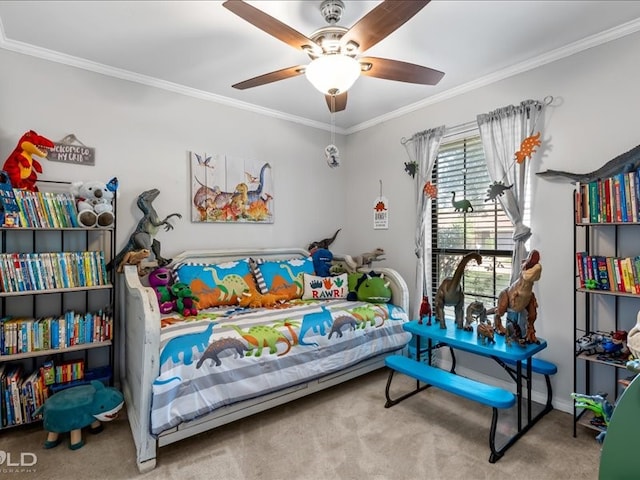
(146, 230)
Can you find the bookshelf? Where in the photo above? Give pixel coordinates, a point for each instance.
(607, 285)
(56, 302)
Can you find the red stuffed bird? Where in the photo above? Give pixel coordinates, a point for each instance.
(21, 166)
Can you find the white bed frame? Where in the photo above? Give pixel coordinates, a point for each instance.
(139, 353)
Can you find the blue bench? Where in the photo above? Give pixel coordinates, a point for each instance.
(541, 367)
(494, 397)
(465, 387)
(537, 366)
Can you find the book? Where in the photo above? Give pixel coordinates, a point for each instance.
(616, 199)
(584, 196)
(603, 276)
(593, 202)
(10, 211)
(580, 268)
(632, 195)
(627, 275)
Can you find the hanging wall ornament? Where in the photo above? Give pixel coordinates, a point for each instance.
(411, 168)
(527, 147)
(495, 190)
(430, 190)
(381, 212)
(331, 151)
(333, 155)
(463, 205)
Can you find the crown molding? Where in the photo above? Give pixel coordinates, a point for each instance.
(568, 50)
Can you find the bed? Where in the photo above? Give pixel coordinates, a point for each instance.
(185, 375)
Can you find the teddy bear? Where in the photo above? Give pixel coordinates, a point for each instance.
(94, 203)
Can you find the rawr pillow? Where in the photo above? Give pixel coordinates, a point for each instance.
(216, 284)
(325, 288)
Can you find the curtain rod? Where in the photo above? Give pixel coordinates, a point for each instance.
(455, 130)
(469, 126)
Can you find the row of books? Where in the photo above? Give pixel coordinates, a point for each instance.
(69, 372)
(20, 394)
(609, 200)
(21, 272)
(46, 209)
(615, 274)
(24, 335)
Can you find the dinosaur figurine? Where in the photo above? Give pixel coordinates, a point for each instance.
(324, 243)
(349, 264)
(425, 310)
(21, 166)
(143, 236)
(519, 297)
(463, 205)
(450, 293)
(599, 405)
(625, 162)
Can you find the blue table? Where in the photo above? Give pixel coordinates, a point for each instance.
(504, 354)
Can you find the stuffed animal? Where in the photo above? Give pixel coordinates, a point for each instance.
(160, 281)
(74, 408)
(21, 167)
(322, 262)
(94, 202)
(184, 299)
(369, 287)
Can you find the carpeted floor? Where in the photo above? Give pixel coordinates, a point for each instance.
(342, 433)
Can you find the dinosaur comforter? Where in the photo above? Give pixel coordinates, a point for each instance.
(229, 355)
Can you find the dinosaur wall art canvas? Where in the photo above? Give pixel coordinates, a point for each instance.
(230, 190)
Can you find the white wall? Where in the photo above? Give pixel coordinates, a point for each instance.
(594, 119)
(142, 135)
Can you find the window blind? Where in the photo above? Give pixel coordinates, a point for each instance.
(460, 168)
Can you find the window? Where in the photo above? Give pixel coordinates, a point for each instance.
(460, 169)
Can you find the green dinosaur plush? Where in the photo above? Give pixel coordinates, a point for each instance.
(74, 408)
(184, 299)
(368, 287)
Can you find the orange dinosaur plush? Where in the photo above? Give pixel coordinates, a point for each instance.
(21, 166)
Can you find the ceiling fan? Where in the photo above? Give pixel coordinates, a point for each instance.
(335, 50)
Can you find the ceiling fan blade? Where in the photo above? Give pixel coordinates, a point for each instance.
(336, 103)
(270, 77)
(270, 25)
(381, 22)
(399, 71)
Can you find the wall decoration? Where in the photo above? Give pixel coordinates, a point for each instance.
(71, 150)
(381, 213)
(230, 190)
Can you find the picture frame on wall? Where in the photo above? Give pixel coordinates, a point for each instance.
(230, 190)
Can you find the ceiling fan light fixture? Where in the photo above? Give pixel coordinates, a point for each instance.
(333, 74)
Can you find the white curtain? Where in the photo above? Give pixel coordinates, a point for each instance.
(422, 148)
(502, 132)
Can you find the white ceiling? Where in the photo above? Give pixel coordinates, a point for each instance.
(200, 48)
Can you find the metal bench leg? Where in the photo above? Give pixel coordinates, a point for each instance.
(391, 402)
(495, 454)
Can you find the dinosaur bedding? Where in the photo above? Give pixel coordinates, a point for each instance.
(229, 354)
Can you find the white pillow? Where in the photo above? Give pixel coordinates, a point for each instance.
(325, 288)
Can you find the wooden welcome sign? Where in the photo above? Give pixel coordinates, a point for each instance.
(67, 151)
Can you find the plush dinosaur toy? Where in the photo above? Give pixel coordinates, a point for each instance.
(21, 166)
